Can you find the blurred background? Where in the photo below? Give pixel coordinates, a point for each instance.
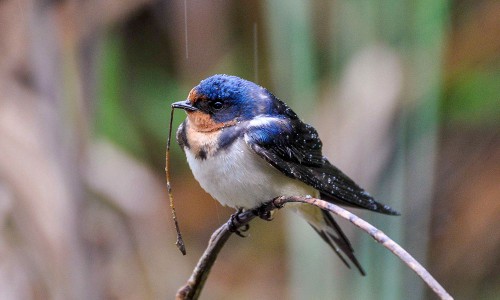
(405, 95)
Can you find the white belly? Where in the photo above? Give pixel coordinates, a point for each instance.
(238, 177)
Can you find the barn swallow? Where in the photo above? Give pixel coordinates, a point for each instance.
(245, 147)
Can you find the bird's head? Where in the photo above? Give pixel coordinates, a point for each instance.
(223, 100)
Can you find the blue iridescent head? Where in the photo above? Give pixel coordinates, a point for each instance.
(228, 98)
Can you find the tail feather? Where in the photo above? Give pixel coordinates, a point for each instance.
(340, 241)
(324, 224)
(328, 240)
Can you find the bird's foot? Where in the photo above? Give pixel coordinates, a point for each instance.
(235, 224)
(263, 212)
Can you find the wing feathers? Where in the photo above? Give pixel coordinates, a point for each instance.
(295, 149)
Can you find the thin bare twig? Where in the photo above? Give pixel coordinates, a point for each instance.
(193, 287)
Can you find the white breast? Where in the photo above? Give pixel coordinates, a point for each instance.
(238, 177)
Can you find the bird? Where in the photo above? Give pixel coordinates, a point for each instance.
(245, 147)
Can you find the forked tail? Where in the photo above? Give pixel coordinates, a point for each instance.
(324, 224)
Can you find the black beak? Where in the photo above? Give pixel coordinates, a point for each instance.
(185, 104)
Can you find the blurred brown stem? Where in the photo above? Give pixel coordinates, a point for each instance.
(194, 285)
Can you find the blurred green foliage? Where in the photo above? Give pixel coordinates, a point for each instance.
(134, 108)
(473, 97)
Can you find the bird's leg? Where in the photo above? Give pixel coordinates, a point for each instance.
(235, 223)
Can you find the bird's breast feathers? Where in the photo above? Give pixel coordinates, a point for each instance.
(235, 175)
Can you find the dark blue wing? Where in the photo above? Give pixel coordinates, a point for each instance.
(294, 148)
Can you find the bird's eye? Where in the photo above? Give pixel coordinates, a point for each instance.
(216, 105)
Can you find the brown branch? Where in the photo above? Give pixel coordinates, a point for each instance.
(195, 283)
(193, 287)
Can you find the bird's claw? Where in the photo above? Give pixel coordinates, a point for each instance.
(263, 213)
(235, 223)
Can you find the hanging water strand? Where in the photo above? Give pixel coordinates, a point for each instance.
(186, 28)
(180, 242)
(255, 53)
